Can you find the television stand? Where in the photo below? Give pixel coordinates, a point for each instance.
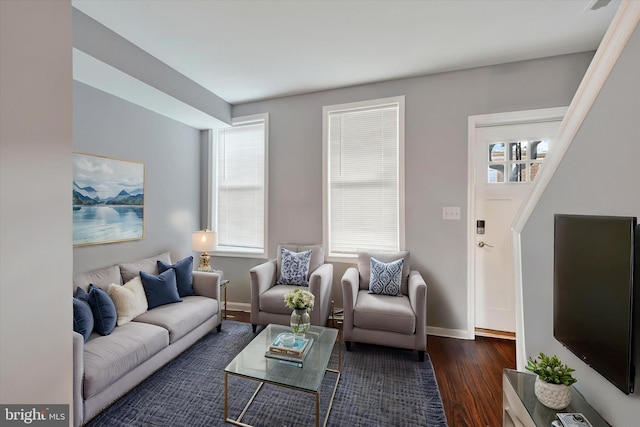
(521, 408)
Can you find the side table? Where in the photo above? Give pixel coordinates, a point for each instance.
(521, 408)
(223, 285)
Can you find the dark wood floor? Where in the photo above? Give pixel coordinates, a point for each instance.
(469, 375)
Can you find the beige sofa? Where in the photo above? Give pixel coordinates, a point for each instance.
(106, 367)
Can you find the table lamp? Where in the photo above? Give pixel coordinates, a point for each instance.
(203, 241)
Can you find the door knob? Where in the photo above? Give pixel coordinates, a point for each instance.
(482, 244)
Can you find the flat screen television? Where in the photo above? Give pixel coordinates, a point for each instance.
(595, 269)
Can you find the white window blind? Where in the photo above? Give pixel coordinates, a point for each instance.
(241, 187)
(364, 150)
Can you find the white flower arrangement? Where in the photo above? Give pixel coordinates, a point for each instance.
(299, 299)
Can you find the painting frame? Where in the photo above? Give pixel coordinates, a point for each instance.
(108, 200)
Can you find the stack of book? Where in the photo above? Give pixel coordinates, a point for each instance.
(292, 354)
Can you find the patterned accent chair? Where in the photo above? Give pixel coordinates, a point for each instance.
(267, 297)
(376, 318)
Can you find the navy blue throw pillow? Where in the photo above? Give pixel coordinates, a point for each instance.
(81, 294)
(103, 309)
(184, 275)
(82, 318)
(161, 289)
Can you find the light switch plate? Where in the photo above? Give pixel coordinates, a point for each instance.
(451, 213)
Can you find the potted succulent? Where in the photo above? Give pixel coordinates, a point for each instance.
(552, 381)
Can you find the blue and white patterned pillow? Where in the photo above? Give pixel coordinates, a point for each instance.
(294, 267)
(386, 278)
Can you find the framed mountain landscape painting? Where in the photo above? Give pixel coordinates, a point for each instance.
(108, 200)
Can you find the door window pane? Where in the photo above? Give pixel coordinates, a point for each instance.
(518, 172)
(539, 149)
(517, 150)
(533, 170)
(496, 174)
(496, 152)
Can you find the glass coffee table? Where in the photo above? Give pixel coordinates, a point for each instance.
(251, 363)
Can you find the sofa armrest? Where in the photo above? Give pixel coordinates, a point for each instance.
(350, 287)
(418, 299)
(78, 374)
(206, 284)
(263, 277)
(320, 283)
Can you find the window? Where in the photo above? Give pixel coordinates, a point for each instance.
(240, 187)
(363, 185)
(512, 168)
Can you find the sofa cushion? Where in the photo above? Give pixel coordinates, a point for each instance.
(384, 312)
(160, 289)
(129, 270)
(107, 359)
(272, 300)
(385, 277)
(294, 267)
(364, 267)
(82, 318)
(101, 278)
(317, 256)
(184, 274)
(104, 312)
(180, 319)
(129, 299)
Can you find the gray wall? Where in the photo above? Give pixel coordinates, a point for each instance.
(96, 40)
(109, 126)
(437, 110)
(598, 175)
(35, 202)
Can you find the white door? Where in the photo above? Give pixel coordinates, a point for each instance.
(507, 160)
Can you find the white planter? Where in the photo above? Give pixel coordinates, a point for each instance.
(554, 396)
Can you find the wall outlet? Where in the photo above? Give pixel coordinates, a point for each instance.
(451, 213)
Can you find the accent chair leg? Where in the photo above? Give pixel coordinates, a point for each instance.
(421, 355)
(348, 344)
(254, 327)
(219, 327)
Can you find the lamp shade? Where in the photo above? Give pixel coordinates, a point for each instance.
(203, 240)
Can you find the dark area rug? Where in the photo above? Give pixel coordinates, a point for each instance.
(378, 386)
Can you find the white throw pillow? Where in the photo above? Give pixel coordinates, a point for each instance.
(129, 299)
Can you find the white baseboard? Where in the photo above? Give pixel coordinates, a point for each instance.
(431, 330)
(490, 334)
(239, 306)
(447, 333)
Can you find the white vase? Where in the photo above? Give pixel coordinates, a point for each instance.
(554, 396)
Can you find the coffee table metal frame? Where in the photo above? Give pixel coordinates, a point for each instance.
(251, 364)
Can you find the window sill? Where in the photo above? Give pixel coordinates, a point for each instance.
(239, 253)
(345, 259)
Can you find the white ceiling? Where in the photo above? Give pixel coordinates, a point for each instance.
(247, 50)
